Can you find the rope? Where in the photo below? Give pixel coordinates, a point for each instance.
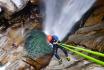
(85, 50)
(71, 48)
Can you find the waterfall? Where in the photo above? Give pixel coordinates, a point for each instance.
(62, 15)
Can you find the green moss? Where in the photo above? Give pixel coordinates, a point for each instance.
(36, 44)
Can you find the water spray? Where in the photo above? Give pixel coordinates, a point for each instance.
(62, 15)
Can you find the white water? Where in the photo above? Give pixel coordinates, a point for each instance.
(61, 15)
(4, 67)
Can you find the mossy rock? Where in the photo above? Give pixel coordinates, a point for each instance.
(36, 44)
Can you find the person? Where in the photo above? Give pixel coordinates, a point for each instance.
(53, 40)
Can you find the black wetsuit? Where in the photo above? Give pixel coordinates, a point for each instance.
(55, 49)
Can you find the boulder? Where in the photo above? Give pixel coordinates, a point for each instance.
(37, 49)
(12, 6)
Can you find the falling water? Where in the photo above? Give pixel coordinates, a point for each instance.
(61, 15)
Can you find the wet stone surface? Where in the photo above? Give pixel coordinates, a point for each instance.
(12, 42)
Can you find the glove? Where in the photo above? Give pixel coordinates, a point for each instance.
(68, 58)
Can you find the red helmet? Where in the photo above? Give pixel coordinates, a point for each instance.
(49, 38)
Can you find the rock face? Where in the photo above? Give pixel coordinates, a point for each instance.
(12, 6)
(35, 1)
(30, 14)
(13, 52)
(92, 34)
(13, 56)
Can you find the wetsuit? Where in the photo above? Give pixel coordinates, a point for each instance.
(55, 49)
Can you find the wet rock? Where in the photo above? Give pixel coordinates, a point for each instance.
(91, 37)
(92, 34)
(12, 6)
(27, 16)
(36, 44)
(12, 39)
(36, 47)
(15, 56)
(35, 2)
(96, 17)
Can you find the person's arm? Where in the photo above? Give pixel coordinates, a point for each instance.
(57, 42)
(50, 45)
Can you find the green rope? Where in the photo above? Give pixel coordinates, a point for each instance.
(85, 50)
(85, 56)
